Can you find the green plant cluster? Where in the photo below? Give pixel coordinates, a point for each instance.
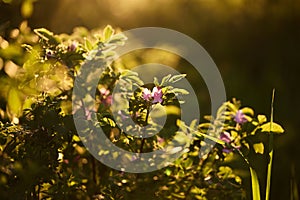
(42, 157)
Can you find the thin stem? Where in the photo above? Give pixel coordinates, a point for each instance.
(270, 150)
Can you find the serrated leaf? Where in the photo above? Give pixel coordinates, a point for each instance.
(214, 139)
(193, 124)
(222, 109)
(46, 35)
(181, 137)
(43, 33)
(118, 39)
(204, 125)
(181, 125)
(128, 73)
(276, 128)
(165, 79)
(258, 148)
(179, 91)
(135, 79)
(176, 78)
(231, 107)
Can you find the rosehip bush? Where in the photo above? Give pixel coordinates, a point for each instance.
(42, 156)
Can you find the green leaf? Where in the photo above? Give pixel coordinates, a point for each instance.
(181, 125)
(181, 137)
(128, 73)
(180, 196)
(168, 172)
(179, 91)
(261, 119)
(14, 101)
(27, 8)
(76, 138)
(118, 39)
(230, 106)
(107, 33)
(276, 128)
(255, 185)
(155, 81)
(214, 139)
(176, 78)
(88, 44)
(109, 121)
(193, 124)
(248, 111)
(46, 35)
(224, 172)
(258, 148)
(165, 79)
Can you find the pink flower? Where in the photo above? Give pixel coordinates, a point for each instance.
(157, 95)
(72, 46)
(240, 117)
(146, 94)
(104, 91)
(160, 140)
(225, 136)
(107, 100)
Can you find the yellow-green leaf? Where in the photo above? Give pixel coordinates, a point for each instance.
(276, 128)
(258, 148)
(76, 138)
(107, 33)
(248, 111)
(27, 8)
(14, 101)
(255, 185)
(261, 119)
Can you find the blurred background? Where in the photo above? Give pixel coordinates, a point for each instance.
(255, 44)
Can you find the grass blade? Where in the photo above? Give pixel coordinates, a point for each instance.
(269, 173)
(254, 179)
(255, 185)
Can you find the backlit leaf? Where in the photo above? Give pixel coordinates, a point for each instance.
(258, 148)
(276, 128)
(14, 101)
